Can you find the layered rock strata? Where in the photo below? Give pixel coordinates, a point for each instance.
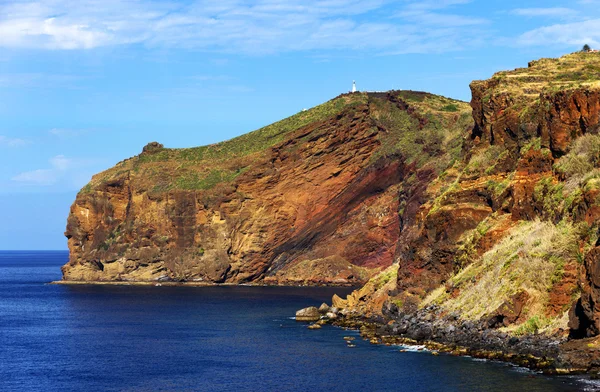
(311, 200)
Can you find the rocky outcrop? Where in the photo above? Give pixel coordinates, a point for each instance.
(585, 313)
(504, 241)
(312, 200)
(308, 314)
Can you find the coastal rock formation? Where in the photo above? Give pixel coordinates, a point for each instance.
(461, 223)
(308, 314)
(311, 200)
(506, 238)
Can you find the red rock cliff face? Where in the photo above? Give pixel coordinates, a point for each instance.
(509, 173)
(320, 206)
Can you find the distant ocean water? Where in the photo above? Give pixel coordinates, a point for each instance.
(127, 338)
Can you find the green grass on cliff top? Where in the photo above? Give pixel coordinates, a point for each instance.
(550, 75)
(202, 168)
(260, 139)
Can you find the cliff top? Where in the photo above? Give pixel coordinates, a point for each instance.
(201, 168)
(546, 76)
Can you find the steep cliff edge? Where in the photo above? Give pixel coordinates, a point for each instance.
(313, 199)
(505, 242)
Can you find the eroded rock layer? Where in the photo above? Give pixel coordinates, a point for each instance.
(313, 199)
(506, 239)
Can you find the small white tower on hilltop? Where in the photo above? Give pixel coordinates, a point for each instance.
(353, 86)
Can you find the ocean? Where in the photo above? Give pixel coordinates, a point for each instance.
(147, 338)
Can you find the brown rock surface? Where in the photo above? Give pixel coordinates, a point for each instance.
(312, 200)
(308, 314)
(401, 192)
(509, 173)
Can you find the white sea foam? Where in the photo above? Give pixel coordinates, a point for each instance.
(589, 385)
(412, 349)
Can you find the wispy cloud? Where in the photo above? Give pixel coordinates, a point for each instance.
(576, 33)
(13, 142)
(64, 133)
(235, 26)
(59, 165)
(211, 78)
(39, 80)
(555, 12)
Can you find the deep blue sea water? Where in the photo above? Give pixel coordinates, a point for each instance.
(127, 338)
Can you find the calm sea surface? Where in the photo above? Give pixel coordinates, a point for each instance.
(119, 338)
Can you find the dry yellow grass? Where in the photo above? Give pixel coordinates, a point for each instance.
(544, 76)
(530, 258)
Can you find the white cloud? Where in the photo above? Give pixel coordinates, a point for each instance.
(439, 19)
(211, 78)
(12, 142)
(46, 177)
(60, 162)
(41, 80)
(558, 12)
(233, 26)
(578, 33)
(64, 133)
(43, 177)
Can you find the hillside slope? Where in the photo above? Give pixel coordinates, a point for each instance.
(506, 242)
(317, 198)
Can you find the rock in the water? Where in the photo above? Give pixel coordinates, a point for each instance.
(314, 326)
(324, 308)
(308, 314)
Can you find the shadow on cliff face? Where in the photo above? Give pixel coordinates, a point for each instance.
(583, 317)
(385, 172)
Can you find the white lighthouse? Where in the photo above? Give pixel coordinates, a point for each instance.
(353, 86)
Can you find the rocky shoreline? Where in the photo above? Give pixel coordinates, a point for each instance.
(177, 284)
(449, 334)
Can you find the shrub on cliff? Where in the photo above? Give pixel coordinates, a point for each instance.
(583, 157)
(530, 258)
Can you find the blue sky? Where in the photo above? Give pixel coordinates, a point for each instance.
(87, 83)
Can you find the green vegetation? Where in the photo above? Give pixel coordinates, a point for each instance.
(485, 160)
(543, 77)
(86, 189)
(260, 139)
(582, 159)
(431, 132)
(549, 194)
(202, 168)
(384, 277)
(533, 325)
(467, 249)
(445, 193)
(497, 188)
(535, 144)
(531, 258)
(195, 181)
(450, 108)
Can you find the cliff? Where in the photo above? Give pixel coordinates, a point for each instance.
(505, 241)
(463, 224)
(313, 199)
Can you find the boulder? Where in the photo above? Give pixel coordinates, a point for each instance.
(324, 308)
(308, 314)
